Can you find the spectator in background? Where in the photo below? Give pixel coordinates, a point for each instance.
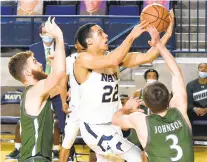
(124, 98)
(197, 95)
(150, 76)
(93, 7)
(162, 2)
(30, 7)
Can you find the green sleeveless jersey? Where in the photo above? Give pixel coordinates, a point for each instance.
(169, 138)
(37, 131)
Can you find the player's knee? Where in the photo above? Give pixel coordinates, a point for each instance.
(68, 140)
(67, 143)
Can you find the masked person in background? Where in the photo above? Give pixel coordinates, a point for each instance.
(197, 95)
(150, 76)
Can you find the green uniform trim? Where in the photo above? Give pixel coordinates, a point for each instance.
(37, 131)
(169, 138)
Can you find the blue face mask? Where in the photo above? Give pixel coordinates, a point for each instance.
(47, 39)
(149, 81)
(202, 74)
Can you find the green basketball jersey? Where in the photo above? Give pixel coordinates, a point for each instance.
(169, 138)
(37, 131)
(133, 138)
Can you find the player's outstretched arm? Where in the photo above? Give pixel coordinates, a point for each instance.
(63, 91)
(115, 57)
(136, 58)
(59, 61)
(179, 99)
(122, 117)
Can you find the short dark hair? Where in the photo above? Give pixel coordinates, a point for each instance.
(151, 70)
(122, 96)
(201, 64)
(41, 26)
(75, 39)
(156, 97)
(17, 63)
(84, 32)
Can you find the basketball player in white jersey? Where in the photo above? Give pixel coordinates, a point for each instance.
(98, 77)
(72, 120)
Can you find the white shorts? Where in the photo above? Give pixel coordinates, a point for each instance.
(72, 128)
(74, 114)
(107, 141)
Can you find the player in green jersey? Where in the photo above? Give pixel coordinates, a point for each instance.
(36, 115)
(166, 134)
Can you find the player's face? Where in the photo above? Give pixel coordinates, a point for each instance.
(123, 101)
(33, 64)
(92, 5)
(152, 75)
(35, 69)
(99, 38)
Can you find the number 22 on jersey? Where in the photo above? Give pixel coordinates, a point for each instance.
(107, 95)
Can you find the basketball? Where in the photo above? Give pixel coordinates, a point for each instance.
(157, 15)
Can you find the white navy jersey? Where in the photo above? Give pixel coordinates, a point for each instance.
(99, 97)
(74, 87)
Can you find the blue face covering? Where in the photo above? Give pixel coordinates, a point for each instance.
(202, 74)
(47, 39)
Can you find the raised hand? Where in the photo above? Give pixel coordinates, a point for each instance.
(52, 29)
(139, 29)
(155, 36)
(132, 105)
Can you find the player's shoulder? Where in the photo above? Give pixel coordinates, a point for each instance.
(138, 114)
(36, 89)
(85, 56)
(136, 117)
(193, 82)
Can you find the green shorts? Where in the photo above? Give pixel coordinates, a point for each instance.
(37, 159)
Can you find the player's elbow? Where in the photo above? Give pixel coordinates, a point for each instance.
(149, 60)
(115, 62)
